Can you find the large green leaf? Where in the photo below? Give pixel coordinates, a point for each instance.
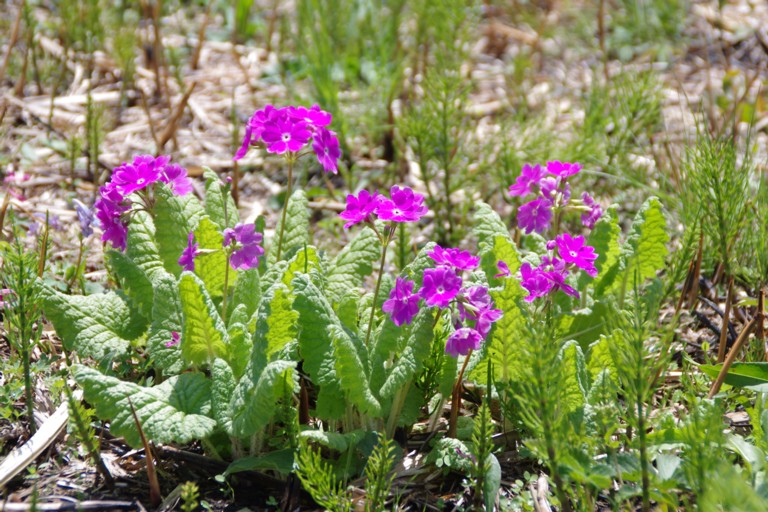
(219, 204)
(353, 263)
(412, 356)
(223, 385)
(304, 260)
(205, 336)
(211, 265)
(240, 346)
(167, 318)
(247, 291)
(99, 326)
(142, 247)
(500, 248)
(175, 411)
(575, 378)
(255, 399)
(503, 344)
(351, 371)
(487, 225)
(133, 281)
(275, 323)
(296, 234)
(175, 217)
(752, 376)
(605, 239)
(316, 346)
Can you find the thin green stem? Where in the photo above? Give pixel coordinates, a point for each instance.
(226, 290)
(291, 160)
(385, 243)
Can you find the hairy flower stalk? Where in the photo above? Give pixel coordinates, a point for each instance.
(291, 159)
(386, 238)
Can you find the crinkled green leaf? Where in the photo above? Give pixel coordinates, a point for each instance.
(575, 378)
(600, 356)
(240, 346)
(211, 264)
(247, 291)
(486, 226)
(175, 411)
(133, 281)
(101, 325)
(167, 317)
(500, 248)
(305, 260)
(205, 336)
(411, 359)
(254, 401)
(316, 347)
(334, 440)
(142, 247)
(643, 254)
(275, 323)
(605, 239)
(175, 217)
(223, 385)
(503, 343)
(351, 371)
(219, 204)
(296, 234)
(353, 263)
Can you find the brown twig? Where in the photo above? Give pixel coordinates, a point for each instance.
(731, 357)
(155, 498)
(173, 122)
(456, 398)
(201, 38)
(726, 318)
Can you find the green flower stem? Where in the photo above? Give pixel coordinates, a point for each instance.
(226, 289)
(291, 159)
(385, 243)
(397, 406)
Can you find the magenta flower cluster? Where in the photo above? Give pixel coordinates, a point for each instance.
(289, 130)
(567, 254)
(553, 193)
(114, 201)
(245, 243)
(403, 205)
(442, 286)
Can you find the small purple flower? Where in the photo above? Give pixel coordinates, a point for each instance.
(404, 206)
(557, 278)
(590, 218)
(529, 177)
(110, 208)
(359, 209)
(486, 318)
(284, 135)
(534, 281)
(248, 250)
(314, 116)
(190, 252)
(474, 298)
(255, 127)
(440, 286)
(326, 147)
(453, 257)
(551, 188)
(175, 176)
(535, 215)
(175, 339)
(143, 171)
(503, 270)
(462, 341)
(573, 250)
(403, 304)
(86, 218)
(563, 169)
